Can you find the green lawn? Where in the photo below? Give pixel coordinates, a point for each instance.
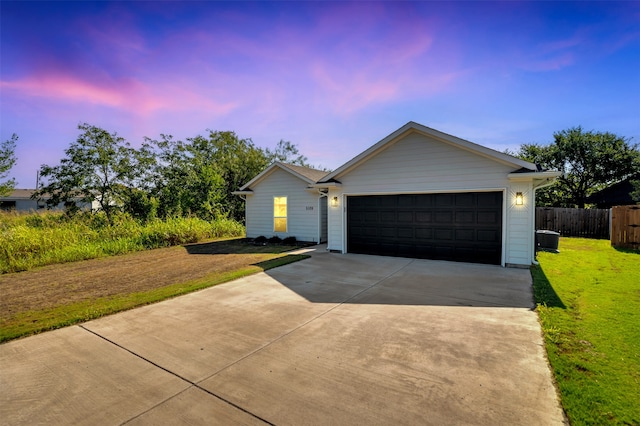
(589, 305)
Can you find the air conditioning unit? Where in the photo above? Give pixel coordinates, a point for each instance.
(547, 240)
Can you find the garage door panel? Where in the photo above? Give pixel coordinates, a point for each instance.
(405, 217)
(463, 252)
(388, 216)
(442, 252)
(465, 234)
(488, 236)
(406, 201)
(388, 201)
(488, 217)
(370, 217)
(424, 217)
(424, 233)
(458, 226)
(388, 232)
(444, 216)
(465, 217)
(369, 231)
(405, 233)
(465, 200)
(421, 202)
(489, 198)
(444, 200)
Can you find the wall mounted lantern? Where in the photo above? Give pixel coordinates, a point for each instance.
(334, 202)
(519, 199)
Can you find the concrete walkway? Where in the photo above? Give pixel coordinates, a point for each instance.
(335, 339)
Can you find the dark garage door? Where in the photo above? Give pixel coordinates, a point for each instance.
(464, 227)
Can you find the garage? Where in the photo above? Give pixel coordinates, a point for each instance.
(463, 227)
(417, 193)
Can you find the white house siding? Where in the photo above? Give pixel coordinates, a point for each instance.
(520, 225)
(420, 164)
(302, 207)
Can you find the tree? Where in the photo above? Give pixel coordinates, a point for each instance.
(197, 176)
(635, 193)
(589, 161)
(7, 161)
(287, 152)
(99, 166)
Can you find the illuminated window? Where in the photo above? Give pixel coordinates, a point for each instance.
(280, 214)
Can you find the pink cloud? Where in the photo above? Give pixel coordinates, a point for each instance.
(64, 88)
(130, 95)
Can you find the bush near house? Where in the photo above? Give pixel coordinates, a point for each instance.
(32, 240)
(588, 299)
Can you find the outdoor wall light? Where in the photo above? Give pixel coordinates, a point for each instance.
(519, 199)
(334, 202)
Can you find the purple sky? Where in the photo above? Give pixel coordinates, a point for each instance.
(331, 77)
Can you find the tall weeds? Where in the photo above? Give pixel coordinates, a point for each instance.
(31, 240)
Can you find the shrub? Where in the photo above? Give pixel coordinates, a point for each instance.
(260, 240)
(289, 241)
(275, 240)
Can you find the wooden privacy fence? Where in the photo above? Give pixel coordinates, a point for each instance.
(625, 227)
(585, 223)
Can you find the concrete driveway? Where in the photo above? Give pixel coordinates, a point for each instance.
(335, 339)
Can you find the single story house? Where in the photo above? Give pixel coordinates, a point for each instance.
(21, 200)
(417, 193)
(618, 194)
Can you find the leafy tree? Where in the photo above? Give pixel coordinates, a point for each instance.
(589, 161)
(197, 176)
(99, 166)
(7, 161)
(635, 193)
(287, 152)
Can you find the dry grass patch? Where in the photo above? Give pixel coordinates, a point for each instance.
(59, 295)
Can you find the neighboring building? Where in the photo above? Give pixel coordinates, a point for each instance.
(618, 194)
(416, 193)
(20, 200)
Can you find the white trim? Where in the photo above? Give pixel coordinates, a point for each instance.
(268, 170)
(503, 237)
(319, 215)
(326, 185)
(525, 177)
(286, 214)
(503, 190)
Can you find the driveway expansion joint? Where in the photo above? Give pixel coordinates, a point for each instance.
(193, 384)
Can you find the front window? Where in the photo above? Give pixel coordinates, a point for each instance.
(280, 214)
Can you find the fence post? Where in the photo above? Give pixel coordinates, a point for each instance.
(625, 227)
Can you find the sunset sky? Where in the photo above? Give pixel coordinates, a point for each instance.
(331, 77)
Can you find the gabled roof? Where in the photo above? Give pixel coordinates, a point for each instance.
(313, 174)
(412, 127)
(20, 194)
(618, 194)
(307, 174)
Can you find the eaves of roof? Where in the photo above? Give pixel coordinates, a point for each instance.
(306, 174)
(432, 133)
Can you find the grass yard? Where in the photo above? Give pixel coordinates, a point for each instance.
(589, 307)
(59, 295)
